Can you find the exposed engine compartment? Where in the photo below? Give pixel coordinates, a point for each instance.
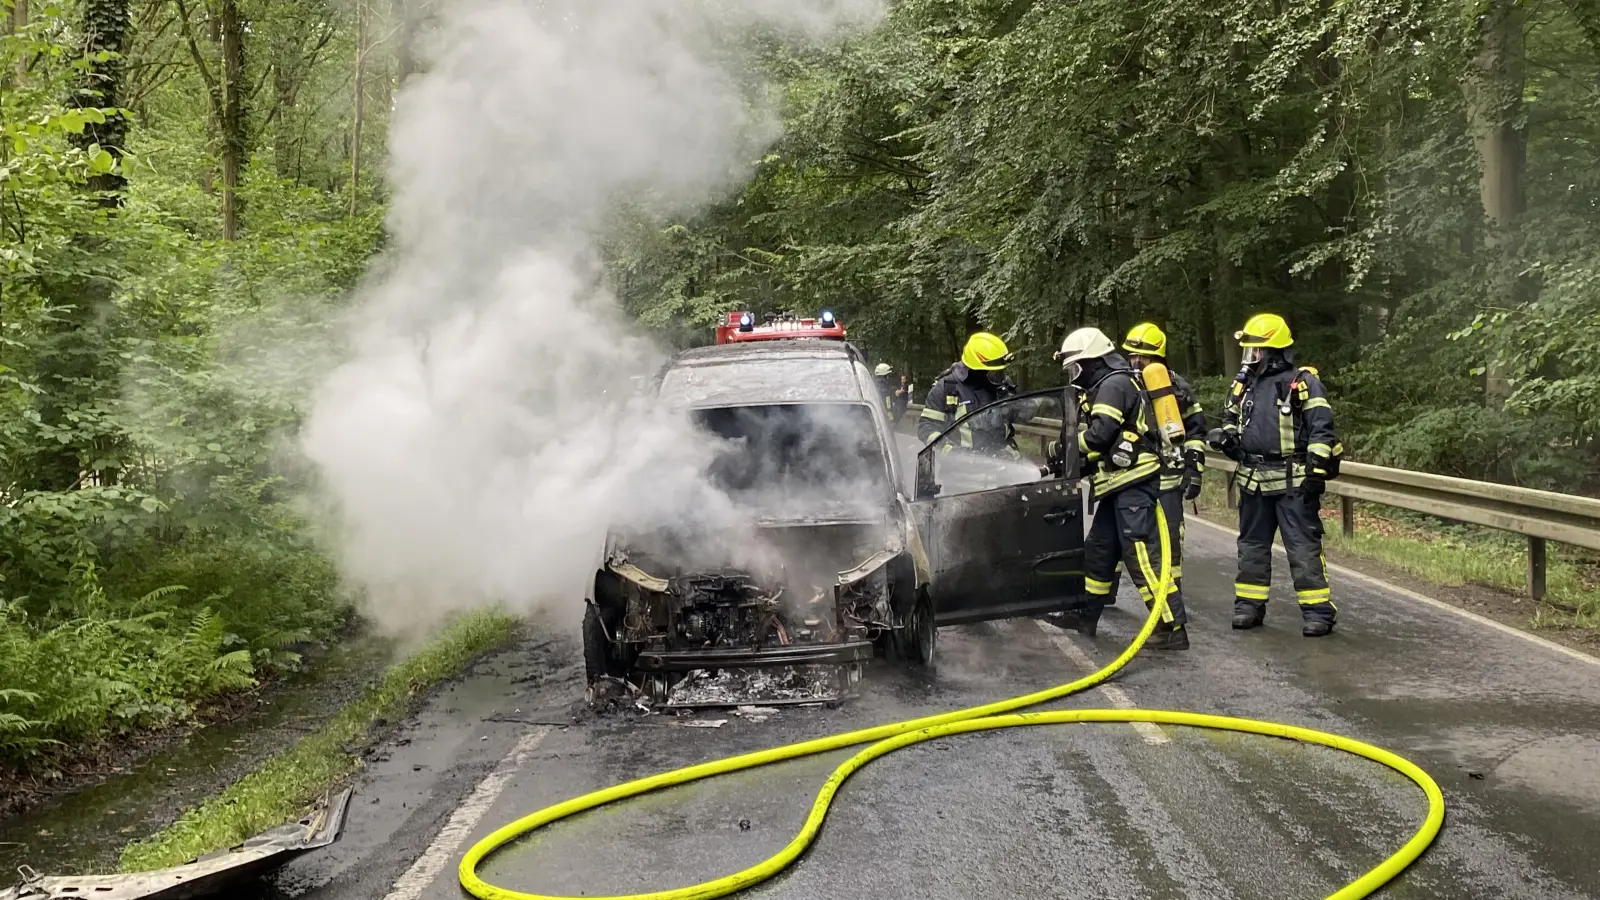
(791, 574)
(709, 610)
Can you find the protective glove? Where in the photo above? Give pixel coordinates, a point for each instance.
(1314, 485)
(1192, 490)
(1225, 442)
(946, 447)
(1319, 465)
(1195, 461)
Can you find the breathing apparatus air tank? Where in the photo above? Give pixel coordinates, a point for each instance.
(1158, 383)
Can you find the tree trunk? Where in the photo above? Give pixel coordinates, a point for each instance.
(1207, 353)
(285, 96)
(232, 125)
(409, 14)
(1494, 86)
(360, 105)
(19, 21)
(73, 357)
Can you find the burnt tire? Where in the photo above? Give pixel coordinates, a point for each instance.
(597, 659)
(919, 637)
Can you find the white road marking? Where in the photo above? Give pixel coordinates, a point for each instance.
(1430, 601)
(439, 854)
(1149, 732)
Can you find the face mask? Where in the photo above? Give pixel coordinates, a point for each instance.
(1074, 372)
(997, 376)
(1252, 355)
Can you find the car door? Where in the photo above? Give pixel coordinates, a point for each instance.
(1003, 538)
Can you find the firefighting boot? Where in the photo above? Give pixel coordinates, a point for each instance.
(1084, 621)
(1319, 619)
(1248, 614)
(1168, 637)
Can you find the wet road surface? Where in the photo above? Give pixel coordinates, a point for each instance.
(1509, 728)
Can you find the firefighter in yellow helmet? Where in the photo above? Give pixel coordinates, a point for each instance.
(1183, 463)
(1120, 450)
(978, 380)
(1277, 425)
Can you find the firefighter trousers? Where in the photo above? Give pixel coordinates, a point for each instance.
(1298, 517)
(1124, 531)
(1172, 506)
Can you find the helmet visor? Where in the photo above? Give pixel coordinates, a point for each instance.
(1252, 355)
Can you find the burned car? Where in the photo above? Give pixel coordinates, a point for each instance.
(832, 563)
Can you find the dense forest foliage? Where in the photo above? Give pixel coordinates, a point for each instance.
(190, 189)
(1414, 185)
(184, 195)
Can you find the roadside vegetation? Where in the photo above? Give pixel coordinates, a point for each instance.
(180, 209)
(1413, 186)
(287, 784)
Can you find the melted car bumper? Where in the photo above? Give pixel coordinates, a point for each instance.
(755, 658)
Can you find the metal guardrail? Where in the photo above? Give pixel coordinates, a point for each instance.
(1539, 516)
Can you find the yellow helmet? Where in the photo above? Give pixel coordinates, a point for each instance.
(1146, 339)
(1265, 330)
(985, 352)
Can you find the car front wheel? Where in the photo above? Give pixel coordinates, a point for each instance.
(597, 658)
(919, 635)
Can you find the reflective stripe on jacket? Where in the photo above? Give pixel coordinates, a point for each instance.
(1282, 417)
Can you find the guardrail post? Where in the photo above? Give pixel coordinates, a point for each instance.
(1536, 568)
(1347, 516)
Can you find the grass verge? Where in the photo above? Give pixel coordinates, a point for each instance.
(279, 791)
(1446, 553)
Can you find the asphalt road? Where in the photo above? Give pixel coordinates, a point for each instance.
(1509, 728)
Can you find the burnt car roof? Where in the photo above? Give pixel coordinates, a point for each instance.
(761, 372)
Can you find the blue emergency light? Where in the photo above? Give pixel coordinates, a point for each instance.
(827, 318)
(747, 322)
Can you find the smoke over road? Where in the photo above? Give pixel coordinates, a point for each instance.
(480, 432)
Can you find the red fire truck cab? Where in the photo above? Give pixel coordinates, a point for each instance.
(741, 327)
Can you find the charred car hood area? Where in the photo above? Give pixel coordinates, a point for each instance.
(788, 569)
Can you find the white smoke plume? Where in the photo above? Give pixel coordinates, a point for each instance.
(480, 435)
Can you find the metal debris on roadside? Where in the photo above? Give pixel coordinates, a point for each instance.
(756, 713)
(223, 873)
(746, 687)
(704, 723)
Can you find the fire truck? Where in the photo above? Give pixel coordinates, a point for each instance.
(742, 327)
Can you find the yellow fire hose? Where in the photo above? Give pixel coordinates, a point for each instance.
(885, 739)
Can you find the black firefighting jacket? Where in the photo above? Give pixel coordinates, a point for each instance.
(1116, 410)
(1284, 423)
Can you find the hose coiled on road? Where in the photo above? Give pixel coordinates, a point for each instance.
(885, 739)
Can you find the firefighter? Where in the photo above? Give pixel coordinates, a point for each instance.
(1277, 425)
(1183, 465)
(1120, 447)
(978, 380)
(888, 391)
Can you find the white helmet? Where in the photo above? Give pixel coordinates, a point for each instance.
(882, 370)
(1085, 343)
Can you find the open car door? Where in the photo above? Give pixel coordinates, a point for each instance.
(1004, 538)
